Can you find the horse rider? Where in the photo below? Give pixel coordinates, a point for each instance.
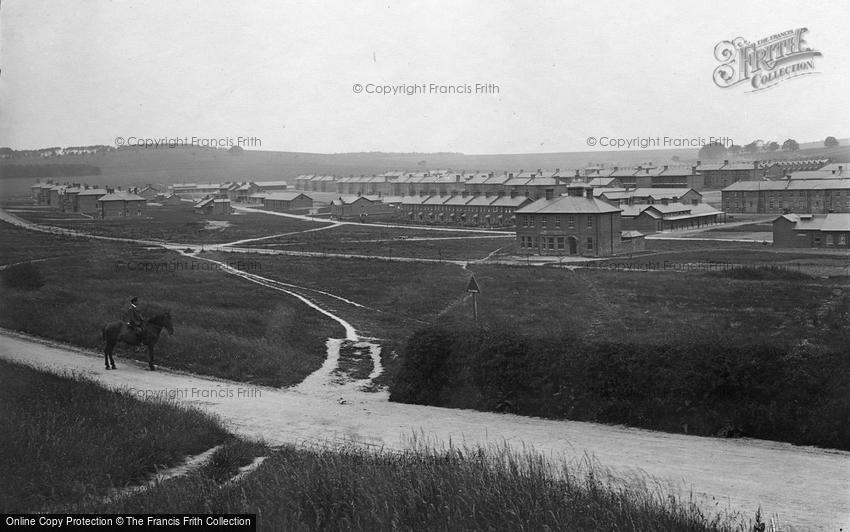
(133, 317)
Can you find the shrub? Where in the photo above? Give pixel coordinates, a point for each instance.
(421, 379)
(712, 388)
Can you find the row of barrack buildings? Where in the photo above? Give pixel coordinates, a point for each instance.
(535, 184)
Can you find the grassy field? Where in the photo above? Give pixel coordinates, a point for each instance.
(175, 224)
(641, 307)
(678, 253)
(65, 440)
(400, 296)
(649, 307)
(432, 248)
(352, 233)
(224, 326)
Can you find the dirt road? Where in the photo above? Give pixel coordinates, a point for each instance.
(806, 487)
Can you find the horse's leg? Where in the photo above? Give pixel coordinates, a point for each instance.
(107, 353)
(150, 357)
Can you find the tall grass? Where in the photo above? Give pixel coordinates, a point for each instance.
(64, 439)
(430, 488)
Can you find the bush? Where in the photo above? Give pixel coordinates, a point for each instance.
(422, 378)
(712, 388)
(24, 276)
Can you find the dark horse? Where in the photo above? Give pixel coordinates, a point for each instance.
(118, 331)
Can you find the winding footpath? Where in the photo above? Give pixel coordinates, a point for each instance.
(804, 488)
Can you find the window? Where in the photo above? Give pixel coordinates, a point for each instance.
(561, 242)
(558, 223)
(590, 222)
(543, 222)
(550, 242)
(571, 221)
(830, 240)
(842, 239)
(589, 244)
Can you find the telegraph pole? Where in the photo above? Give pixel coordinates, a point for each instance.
(472, 288)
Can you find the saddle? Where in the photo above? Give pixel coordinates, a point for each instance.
(136, 330)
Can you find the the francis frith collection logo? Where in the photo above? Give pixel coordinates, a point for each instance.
(765, 63)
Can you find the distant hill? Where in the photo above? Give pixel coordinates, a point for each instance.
(139, 166)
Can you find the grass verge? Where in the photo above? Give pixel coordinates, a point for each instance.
(428, 489)
(65, 440)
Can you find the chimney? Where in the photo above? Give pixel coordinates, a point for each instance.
(557, 170)
(665, 201)
(725, 162)
(510, 175)
(491, 174)
(616, 168)
(578, 174)
(699, 162)
(513, 193)
(840, 168)
(666, 167)
(539, 171)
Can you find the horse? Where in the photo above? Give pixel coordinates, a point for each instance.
(119, 331)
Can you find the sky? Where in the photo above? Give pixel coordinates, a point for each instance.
(282, 75)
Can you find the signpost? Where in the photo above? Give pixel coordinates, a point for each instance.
(472, 288)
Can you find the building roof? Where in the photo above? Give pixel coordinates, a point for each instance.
(792, 184)
(726, 165)
(93, 192)
(568, 205)
(654, 193)
(477, 179)
(602, 181)
(481, 201)
(458, 200)
(414, 200)
(121, 196)
(348, 200)
(507, 201)
(285, 196)
(497, 180)
(812, 174)
(836, 168)
(671, 171)
(819, 222)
